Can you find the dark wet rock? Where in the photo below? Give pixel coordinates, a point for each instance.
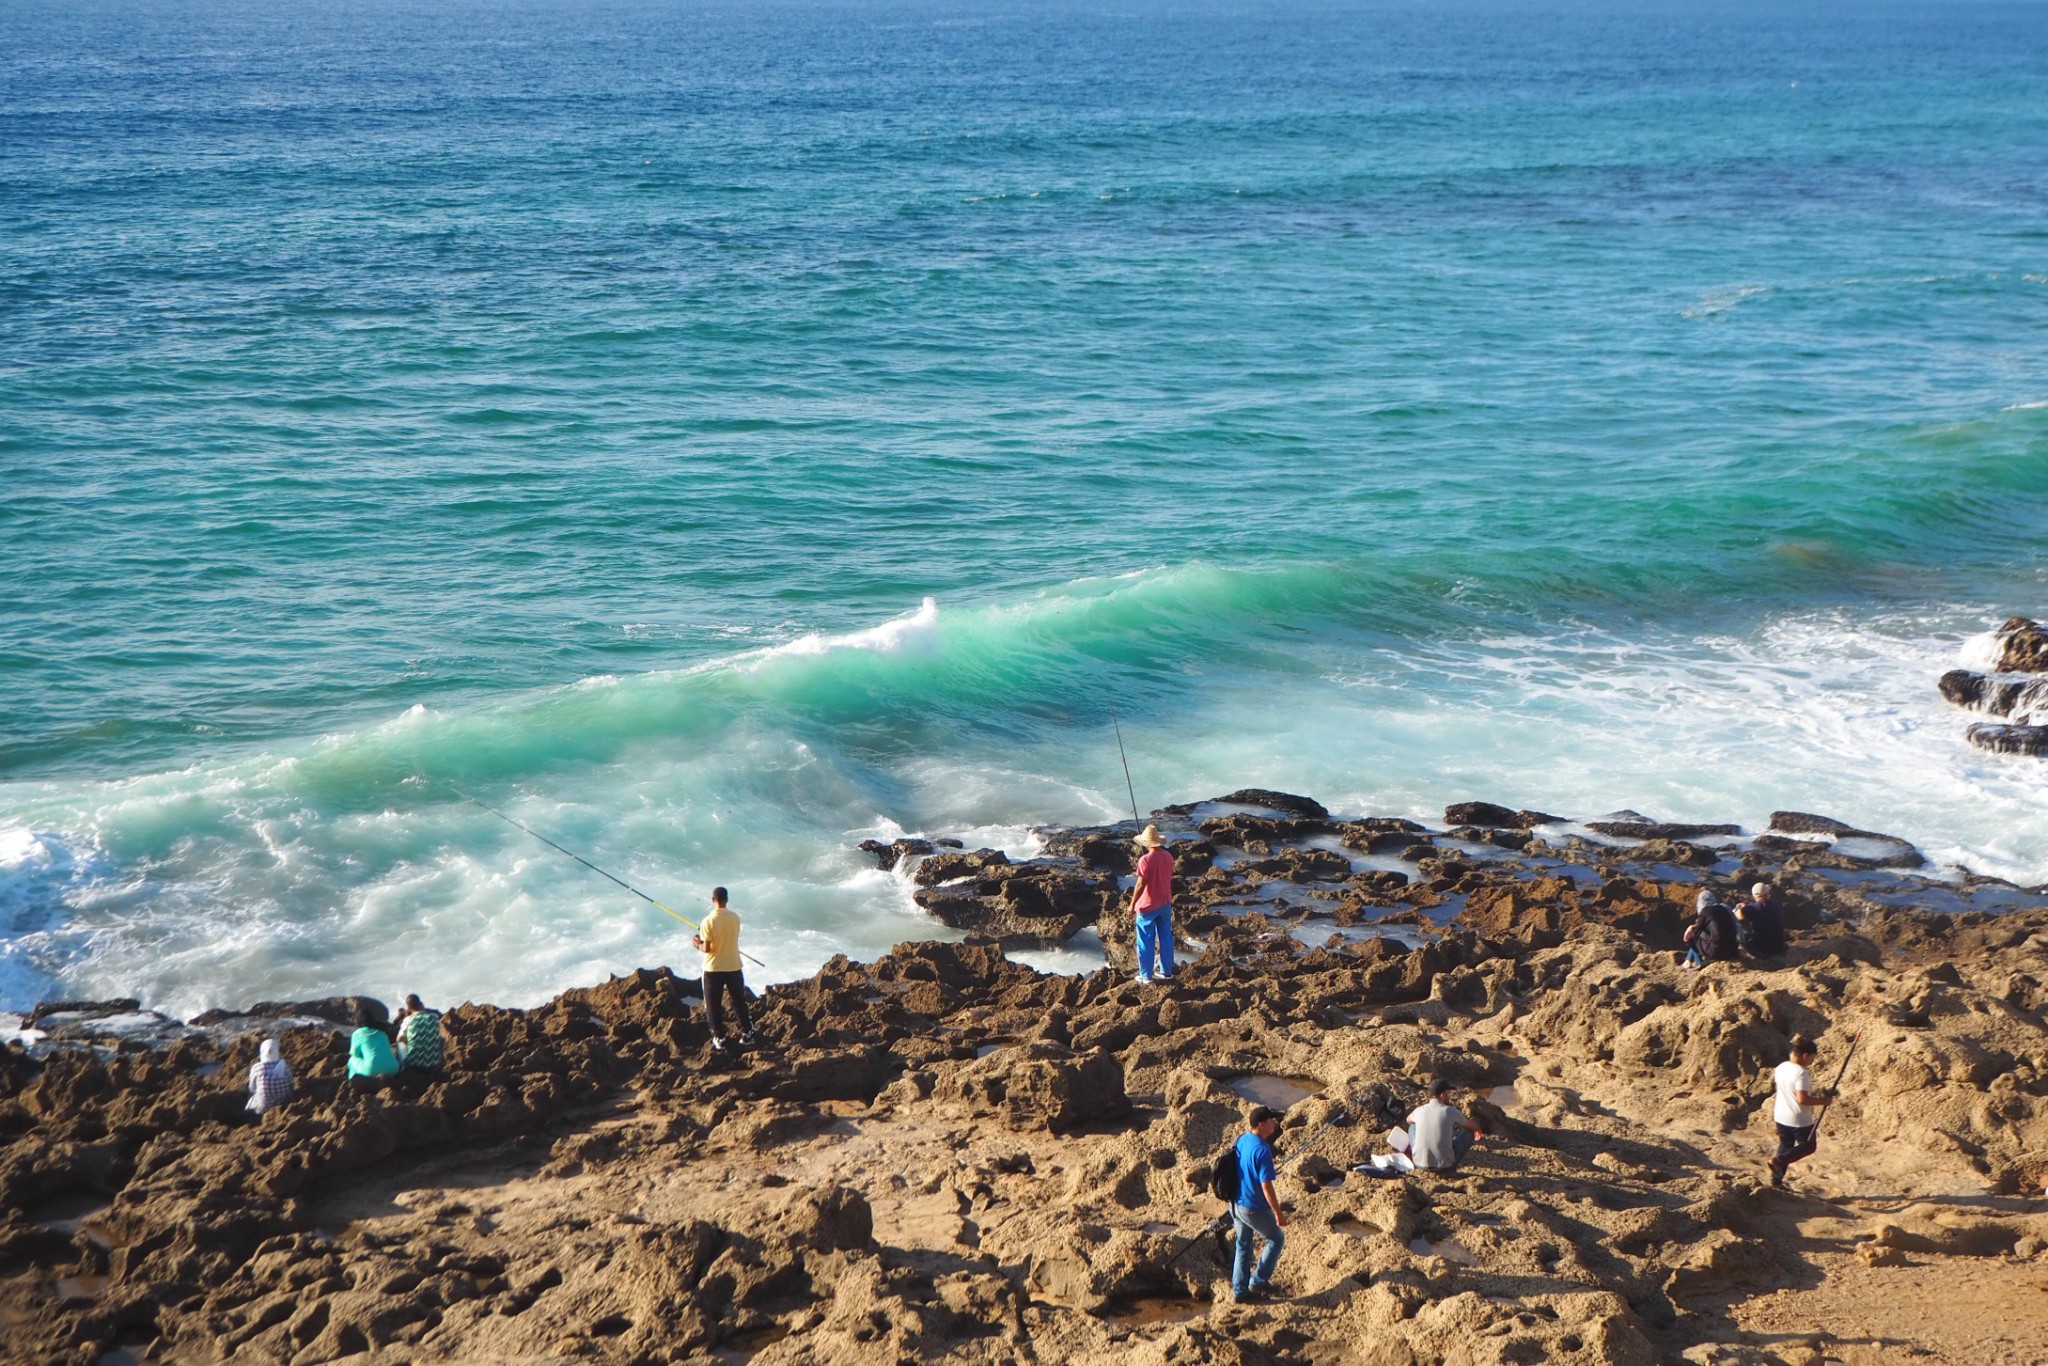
(1261, 834)
(942, 868)
(2009, 739)
(1098, 848)
(887, 856)
(89, 1010)
(1677, 852)
(1379, 882)
(1806, 823)
(1658, 830)
(1300, 865)
(1901, 855)
(2022, 646)
(1378, 836)
(1494, 815)
(1277, 801)
(351, 1011)
(1784, 844)
(1265, 798)
(1020, 905)
(1964, 687)
(1477, 813)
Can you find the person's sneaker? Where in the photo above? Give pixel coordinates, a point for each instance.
(1142, 980)
(718, 1045)
(1777, 1177)
(1253, 1295)
(747, 1039)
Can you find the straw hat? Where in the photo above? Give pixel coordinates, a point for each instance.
(1149, 837)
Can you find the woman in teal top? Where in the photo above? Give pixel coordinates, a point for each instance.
(370, 1055)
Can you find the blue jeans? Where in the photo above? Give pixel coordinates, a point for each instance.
(1155, 941)
(1247, 1221)
(1796, 1142)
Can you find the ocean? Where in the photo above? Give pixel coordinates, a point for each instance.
(718, 433)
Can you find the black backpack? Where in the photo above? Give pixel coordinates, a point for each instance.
(1225, 1176)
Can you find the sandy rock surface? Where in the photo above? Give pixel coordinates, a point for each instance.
(947, 1156)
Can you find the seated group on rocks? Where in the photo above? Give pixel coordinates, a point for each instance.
(1723, 933)
(371, 1053)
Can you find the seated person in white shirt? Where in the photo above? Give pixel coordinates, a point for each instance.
(1439, 1135)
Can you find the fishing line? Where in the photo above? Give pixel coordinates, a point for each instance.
(591, 866)
(1127, 763)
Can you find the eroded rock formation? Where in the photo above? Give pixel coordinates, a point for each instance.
(945, 1156)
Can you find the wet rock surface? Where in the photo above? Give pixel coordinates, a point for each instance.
(944, 1155)
(2022, 649)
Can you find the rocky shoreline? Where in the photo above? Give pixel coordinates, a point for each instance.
(945, 1155)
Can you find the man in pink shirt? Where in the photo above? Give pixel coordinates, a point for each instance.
(1152, 908)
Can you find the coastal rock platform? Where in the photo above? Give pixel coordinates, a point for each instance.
(948, 1156)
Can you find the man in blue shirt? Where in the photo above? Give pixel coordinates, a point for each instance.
(1257, 1210)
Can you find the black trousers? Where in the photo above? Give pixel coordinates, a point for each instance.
(1794, 1142)
(733, 988)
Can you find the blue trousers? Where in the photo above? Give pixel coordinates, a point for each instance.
(1243, 1275)
(1795, 1143)
(1155, 942)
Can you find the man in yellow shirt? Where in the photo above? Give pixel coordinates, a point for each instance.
(719, 940)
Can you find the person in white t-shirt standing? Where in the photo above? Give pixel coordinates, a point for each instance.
(1797, 1110)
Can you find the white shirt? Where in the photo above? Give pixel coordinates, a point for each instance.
(1434, 1124)
(1792, 1079)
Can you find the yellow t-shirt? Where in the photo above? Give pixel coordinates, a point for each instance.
(721, 935)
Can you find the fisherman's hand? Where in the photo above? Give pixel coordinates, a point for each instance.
(1280, 1217)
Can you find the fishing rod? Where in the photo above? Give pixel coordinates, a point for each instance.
(592, 867)
(1216, 1225)
(1832, 1090)
(1127, 763)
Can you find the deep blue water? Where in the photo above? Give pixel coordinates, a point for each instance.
(1583, 405)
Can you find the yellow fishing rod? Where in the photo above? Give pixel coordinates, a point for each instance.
(591, 866)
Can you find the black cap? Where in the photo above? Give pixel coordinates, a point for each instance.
(1440, 1086)
(1261, 1114)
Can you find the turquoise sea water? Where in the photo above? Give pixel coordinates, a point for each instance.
(719, 433)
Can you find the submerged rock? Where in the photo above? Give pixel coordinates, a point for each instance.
(2009, 739)
(1496, 816)
(887, 856)
(1658, 830)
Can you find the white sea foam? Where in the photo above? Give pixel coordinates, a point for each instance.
(1979, 652)
(917, 633)
(292, 875)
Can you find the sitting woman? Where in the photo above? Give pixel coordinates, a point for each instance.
(1711, 934)
(370, 1055)
(419, 1037)
(270, 1078)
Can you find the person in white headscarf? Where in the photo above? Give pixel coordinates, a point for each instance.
(270, 1078)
